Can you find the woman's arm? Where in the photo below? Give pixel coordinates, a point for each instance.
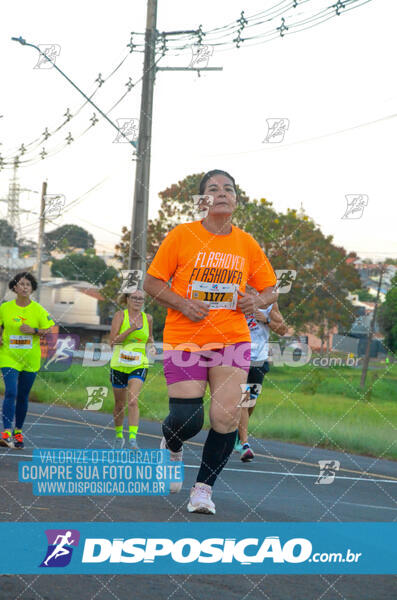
(277, 323)
(150, 339)
(34, 331)
(115, 337)
(150, 349)
(195, 310)
(249, 303)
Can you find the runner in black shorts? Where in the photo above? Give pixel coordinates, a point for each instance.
(131, 330)
(259, 323)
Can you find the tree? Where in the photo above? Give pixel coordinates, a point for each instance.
(8, 236)
(68, 237)
(387, 317)
(323, 278)
(82, 267)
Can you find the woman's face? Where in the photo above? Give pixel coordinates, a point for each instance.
(135, 300)
(23, 287)
(223, 192)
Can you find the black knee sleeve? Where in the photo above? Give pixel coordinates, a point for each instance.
(186, 418)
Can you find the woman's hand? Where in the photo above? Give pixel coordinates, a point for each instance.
(259, 316)
(195, 310)
(151, 349)
(26, 329)
(247, 303)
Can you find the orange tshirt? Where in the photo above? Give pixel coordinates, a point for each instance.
(212, 268)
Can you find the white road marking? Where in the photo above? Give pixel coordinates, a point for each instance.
(293, 474)
(368, 505)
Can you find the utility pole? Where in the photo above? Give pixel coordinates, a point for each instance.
(371, 333)
(138, 236)
(137, 253)
(41, 239)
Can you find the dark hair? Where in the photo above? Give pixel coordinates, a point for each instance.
(24, 275)
(210, 174)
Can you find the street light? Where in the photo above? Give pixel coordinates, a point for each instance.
(22, 41)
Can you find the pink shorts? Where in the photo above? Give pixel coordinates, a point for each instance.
(182, 365)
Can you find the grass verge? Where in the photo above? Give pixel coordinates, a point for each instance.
(335, 416)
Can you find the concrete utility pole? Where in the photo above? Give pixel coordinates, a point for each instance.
(371, 333)
(137, 253)
(138, 236)
(41, 239)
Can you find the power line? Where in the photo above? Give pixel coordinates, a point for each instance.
(227, 31)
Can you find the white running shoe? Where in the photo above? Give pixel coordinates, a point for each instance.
(118, 443)
(175, 486)
(200, 499)
(132, 444)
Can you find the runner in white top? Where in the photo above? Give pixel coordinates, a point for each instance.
(260, 323)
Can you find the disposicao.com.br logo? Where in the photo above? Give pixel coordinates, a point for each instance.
(211, 550)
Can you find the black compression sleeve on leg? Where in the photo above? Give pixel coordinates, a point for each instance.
(186, 418)
(217, 449)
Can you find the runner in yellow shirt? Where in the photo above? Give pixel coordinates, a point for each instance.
(23, 321)
(131, 330)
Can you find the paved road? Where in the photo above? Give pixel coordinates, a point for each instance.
(278, 486)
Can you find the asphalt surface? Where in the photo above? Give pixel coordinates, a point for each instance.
(279, 485)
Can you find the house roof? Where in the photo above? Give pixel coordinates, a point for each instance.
(92, 292)
(82, 286)
(90, 326)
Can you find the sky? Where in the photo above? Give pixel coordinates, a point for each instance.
(333, 84)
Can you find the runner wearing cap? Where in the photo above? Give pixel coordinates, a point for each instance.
(206, 337)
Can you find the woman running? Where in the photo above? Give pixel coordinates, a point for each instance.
(259, 323)
(209, 262)
(131, 330)
(23, 322)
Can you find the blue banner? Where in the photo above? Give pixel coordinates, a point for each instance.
(73, 472)
(194, 548)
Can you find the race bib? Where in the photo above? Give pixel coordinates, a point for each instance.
(217, 295)
(21, 342)
(130, 358)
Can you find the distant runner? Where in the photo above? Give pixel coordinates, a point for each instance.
(209, 262)
(131, 330)
(23, 322)
(259, 323)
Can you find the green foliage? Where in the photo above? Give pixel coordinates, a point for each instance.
(82, 267)
(159, 314)
(370, 389)
(312, 382)
(387, 316)
(67, 237)
(8, 236)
